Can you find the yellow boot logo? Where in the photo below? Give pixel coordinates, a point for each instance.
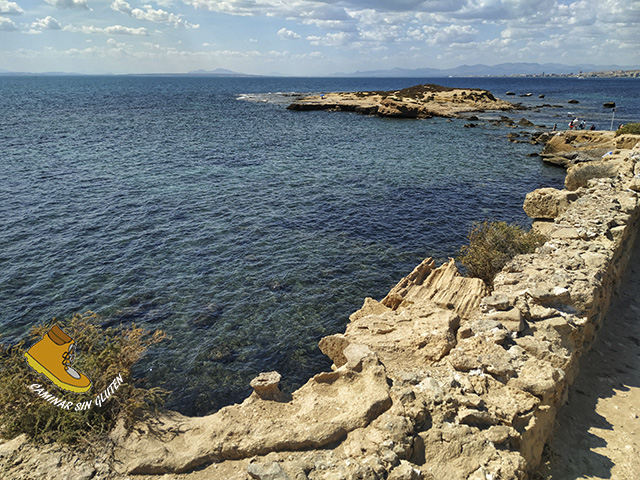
(52, 357)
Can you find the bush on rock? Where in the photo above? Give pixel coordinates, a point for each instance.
(492, 244)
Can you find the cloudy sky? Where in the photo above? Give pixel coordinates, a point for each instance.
(311, 37)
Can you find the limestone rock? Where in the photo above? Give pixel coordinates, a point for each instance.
(11, 446)
(512, 319)
(419, 334)
(568, 147)
(333, 347)
(496, 302)
(547, 202)
(390, 107)
(539, 379)
(373, 307)
(266, 387)
(627, 141)
(420, 101)
(579, 175)
(321, 412)
(404, 471)
(415, 279)
(443, 286)
(271, 471)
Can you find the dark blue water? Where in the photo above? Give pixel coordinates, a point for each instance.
(244, 230)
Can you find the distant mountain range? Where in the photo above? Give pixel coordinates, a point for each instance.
(45, 74)
(481, 70)
(219, 72)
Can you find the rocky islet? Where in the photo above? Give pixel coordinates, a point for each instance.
(420, 101)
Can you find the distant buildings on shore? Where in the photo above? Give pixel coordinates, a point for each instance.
(580, 74)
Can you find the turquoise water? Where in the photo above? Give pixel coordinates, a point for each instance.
(244, 230)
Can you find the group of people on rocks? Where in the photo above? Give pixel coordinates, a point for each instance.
(577, 124)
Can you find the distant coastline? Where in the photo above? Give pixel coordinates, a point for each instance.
(602, 74)
(520, 69)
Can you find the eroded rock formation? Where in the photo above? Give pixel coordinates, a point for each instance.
(420, 101)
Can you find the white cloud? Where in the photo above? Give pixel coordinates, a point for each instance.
(462, 31)
(69, 4)
(150, 14)
(331, 39)
(47, 23)
(7, 25)
(284, 34)
(453, 34)
(112, 30)
(10, 8)
(305, 11)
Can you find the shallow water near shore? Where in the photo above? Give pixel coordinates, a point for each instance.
(244, 230)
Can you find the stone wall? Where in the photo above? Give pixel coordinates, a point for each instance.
(442, 379)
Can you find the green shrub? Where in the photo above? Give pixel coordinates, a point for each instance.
(492, 245)
(633, 128)
(102, 354)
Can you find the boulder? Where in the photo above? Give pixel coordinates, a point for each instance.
(547, 202)
(498, 301)
(266, 387)
(270, 471)
(578, 175)
(526, 123)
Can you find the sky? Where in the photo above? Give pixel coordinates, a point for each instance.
(311, 37)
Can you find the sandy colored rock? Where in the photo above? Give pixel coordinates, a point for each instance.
(270, 471)
(566, 148)
(627, 141)
(266, 386)
(443, 286)
(579, 175)
(420, 101)
(547, 202)
(322, 411)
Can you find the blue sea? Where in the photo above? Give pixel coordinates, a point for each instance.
(201, 206)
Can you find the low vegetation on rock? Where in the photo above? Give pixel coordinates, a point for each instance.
(492, 244)
(631, 128)
(103, 354)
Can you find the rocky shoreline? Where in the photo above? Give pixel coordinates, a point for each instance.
(441, 379)
(420, 101)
